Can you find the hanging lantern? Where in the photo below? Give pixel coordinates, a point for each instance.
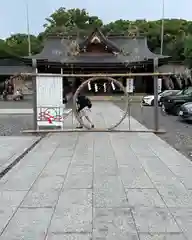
(96, 87)
(105, 87)
(113, 86)
(89, 86)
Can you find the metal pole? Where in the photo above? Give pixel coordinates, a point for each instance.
(141, 108)
(156, 104)
(34, 85)
(162, 26)
(129, 111)
(95, 74)
(28, 28)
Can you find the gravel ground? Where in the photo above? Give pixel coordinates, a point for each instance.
(178, 134)
(12, 125)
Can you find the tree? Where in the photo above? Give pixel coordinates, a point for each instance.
(188, 50)
(75, 21)
(19, 44)
(5, 50)
(64, 21)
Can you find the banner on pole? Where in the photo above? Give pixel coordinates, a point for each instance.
(159, 85)
(130, 85)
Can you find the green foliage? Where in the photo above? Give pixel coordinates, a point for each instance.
(70, 21)
(17, 45)
(188, 50)
(177, 33)
(5, 50)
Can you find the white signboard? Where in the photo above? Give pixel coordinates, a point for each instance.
(49, 91)
(159, 85)
(130, 85)
(49, 101)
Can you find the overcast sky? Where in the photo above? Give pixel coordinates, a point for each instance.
(13, 12)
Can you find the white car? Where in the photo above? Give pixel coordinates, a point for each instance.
(149, 99)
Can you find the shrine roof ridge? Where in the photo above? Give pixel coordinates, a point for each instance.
(61, 49)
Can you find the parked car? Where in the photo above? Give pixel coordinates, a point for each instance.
(185, 112)
(149, 99)
(172, 104)
(167, 93)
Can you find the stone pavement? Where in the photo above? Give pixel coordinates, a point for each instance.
(8, 111)
(13, 147)
(107, 186)
(134, 98)
(104, 115)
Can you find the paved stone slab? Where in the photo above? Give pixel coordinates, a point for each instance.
(105, 162)
(70, 236)
(13, 147)
(183, 217)
(44, 192)
(79, 177)
(116, 223)
(30, 174)
(83, 154)
(105, 166)
(25, 173)
(101, 185)
(145, 198)
(169, 186)
(135, 178)
(9, 202)
(171, 236)
(130, 158)
(180, 166)
(73, 212)
(28, 224)
(108, 191)
(154, 220)
(106, 112)
(141, 149)
(57, 166)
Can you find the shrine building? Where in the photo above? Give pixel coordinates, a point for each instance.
(95, 53)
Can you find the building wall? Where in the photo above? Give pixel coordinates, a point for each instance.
(174, 68)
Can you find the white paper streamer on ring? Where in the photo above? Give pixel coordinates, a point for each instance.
(89, 86)
(96, 87)
(105, 87)
(113, 86)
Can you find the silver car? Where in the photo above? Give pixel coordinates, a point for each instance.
(185, 112)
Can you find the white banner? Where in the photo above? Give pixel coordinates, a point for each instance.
(130, 85)
(49, 91)
(159, 85)
(49, 100)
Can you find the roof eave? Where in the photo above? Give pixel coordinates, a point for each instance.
(103, 39)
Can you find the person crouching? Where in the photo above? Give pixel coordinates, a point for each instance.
(84, 106)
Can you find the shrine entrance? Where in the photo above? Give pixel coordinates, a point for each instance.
(105, 113)
(104, 84)
(107, 116)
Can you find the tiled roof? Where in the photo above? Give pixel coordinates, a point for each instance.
(57, 49)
